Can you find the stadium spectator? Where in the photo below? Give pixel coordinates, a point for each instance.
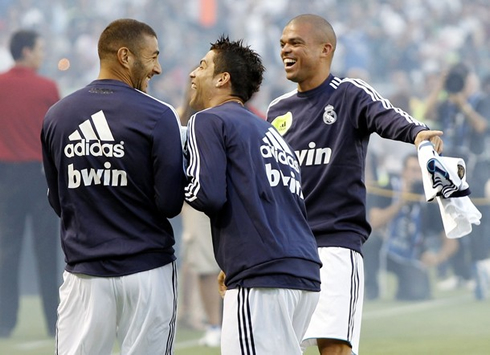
(462, 110)
(412, 235)
(25, 97)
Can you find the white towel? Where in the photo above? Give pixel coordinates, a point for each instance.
(444, 178)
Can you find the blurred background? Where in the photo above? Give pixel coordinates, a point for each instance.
(403, 48)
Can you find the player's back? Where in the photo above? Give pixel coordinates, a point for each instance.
(119, 157)
(261, 235)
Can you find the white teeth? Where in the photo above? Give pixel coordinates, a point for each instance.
(289, 61)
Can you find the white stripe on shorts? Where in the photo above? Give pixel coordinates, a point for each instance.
(264, 321)
(245, 328)
(173, 320)
(354, 295)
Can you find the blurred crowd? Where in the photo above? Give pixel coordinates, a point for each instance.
(376, 38)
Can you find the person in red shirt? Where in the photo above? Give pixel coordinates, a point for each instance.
(25, 97)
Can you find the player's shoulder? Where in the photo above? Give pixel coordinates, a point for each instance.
(353, 85)
(283, 97)
(153, 100)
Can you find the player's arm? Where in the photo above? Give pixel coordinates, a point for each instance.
(51, 174)
(168, 166)
(391, 122)
(206, 166)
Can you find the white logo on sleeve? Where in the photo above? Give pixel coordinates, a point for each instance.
(94, 138)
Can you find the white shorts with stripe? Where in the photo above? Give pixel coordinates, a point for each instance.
(264, 321)
(139, 310)
(339, 311)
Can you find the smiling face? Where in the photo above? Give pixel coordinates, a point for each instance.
(203, 83)
(145, 63)
(306, 53)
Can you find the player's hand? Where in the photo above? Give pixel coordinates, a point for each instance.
(431, 136)
(221, 284)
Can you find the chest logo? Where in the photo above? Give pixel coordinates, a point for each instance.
(283, 123)
(329, 116)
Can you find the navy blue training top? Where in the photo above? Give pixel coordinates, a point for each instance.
(114, 167)
(329, 129)
(246, 179)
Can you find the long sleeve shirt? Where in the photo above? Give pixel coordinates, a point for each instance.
(246, 179)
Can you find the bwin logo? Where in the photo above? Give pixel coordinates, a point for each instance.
(90, 143)
(314, 155)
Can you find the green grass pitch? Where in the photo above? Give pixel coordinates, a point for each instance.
(452, 323)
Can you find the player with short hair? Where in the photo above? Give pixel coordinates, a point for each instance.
(114, 166)
(25, 97)
(246, 179)
(328, 120)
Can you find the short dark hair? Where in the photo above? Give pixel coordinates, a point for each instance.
(242, 63)
(20, 40)
(123, 33)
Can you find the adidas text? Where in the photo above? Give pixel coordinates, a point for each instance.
(96, 149)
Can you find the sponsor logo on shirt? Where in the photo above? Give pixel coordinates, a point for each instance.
(314, 155)
(94, 138)
(283, 123)
(287, 172)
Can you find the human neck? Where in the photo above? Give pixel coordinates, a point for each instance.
(232, 99)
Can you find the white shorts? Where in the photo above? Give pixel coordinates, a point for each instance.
(339, 311)
(264, 321)
(198, 250)
(139, 310)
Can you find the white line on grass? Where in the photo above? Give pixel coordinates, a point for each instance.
(413, 307)
(34, 344)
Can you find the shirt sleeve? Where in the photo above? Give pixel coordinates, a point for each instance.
(168, 165)
(206, 170)
(381, 116)
(51, 174)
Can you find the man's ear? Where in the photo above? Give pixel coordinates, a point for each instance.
(124, 56)
(223, 79)
(327, 49)
(26, 53)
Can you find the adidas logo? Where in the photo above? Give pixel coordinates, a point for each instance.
(286, 172)
(90, 135)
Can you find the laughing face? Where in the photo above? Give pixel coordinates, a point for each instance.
(145, 64)
(301, 52)
(202, 83)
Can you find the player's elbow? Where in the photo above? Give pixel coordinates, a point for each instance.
(209, 205)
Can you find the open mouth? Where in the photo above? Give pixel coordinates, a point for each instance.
(288, 62)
